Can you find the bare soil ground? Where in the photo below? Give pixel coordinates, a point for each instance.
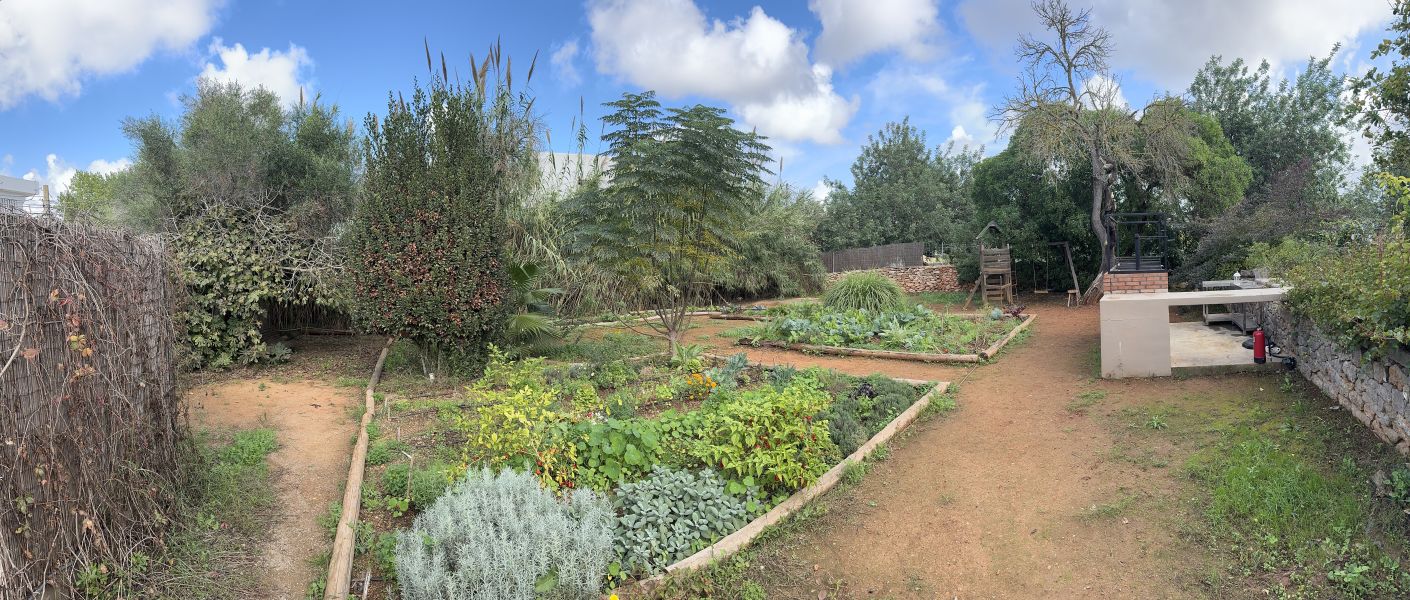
(313, 421)
(1019, 494)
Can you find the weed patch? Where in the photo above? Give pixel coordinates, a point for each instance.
(1084, 401)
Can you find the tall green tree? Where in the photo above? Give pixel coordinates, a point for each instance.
(1275, 128)
(1070, 102)
(249, 193)
(776, 254)
(428, 241)
(902, 191)
(92, 197)
(1380, 99)
(1032, 208)
(680, 185)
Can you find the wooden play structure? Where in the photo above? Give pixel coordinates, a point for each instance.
(1074, 295)
(995, 283)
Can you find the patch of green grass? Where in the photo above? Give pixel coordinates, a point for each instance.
(328, 521)
(384, 451)
(1272, 496)
(1280, 511)
(880, 453)
(614, 345)
(944, 298)
(734, 333)
(939, 404)
(247, 448)
(1140, 455)
(853, 473)
(351, 382)
(1085, 400)
(1109, 510)
(223, 516)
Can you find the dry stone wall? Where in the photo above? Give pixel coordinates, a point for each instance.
(929, 278)
(1374, 390)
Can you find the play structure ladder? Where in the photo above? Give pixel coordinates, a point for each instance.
(996, 275)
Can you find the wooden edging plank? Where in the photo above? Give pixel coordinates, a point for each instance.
(992, 350)
(738, 540)
(698, 313)
(739, 317)
(341, 559)
(863, 352)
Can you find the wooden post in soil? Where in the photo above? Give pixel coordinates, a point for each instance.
(340, 563)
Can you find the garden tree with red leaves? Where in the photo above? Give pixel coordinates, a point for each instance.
(427, 245)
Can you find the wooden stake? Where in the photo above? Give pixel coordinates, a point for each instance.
(340, 563)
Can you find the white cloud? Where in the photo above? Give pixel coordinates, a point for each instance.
(1166, 42)
(851, 29)
(277, 71)
(1104, 92)
(108, 167)
(563, 58)
(960, 137)
(821, 190)
(818, 115)
(49, 47)
(756, 63)
(964, 106)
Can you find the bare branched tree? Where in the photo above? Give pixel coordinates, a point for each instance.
(1071, 109)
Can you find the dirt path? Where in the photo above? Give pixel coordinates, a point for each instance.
(1004, 498)
(315, 438)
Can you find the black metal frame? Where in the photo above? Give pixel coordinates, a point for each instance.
(1140, 262)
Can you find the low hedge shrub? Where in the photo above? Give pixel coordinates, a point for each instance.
(672, 514)
(492, 537)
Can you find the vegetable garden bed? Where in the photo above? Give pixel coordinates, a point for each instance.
(917, 334)
(680, 463)
(740, 539)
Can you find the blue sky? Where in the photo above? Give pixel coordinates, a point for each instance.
(817, 77)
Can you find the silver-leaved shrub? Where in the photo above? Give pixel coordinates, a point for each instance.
(673, 514)
(504, 537)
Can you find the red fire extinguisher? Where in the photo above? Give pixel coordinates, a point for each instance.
(1260, 346)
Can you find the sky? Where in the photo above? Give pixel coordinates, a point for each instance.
(816, 77)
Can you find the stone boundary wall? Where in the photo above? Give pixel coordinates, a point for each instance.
(1136, 283)
(1375, 391)
(929, 278)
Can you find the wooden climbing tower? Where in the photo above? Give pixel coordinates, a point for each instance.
(995, 283)
(995, 275)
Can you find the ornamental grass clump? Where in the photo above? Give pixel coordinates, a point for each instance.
(865, 291)
(504, 537)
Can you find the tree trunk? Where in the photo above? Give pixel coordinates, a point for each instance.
(1099, 189)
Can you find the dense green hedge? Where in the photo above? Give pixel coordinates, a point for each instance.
(232, 272)
(1360, 293)
(428, 242)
